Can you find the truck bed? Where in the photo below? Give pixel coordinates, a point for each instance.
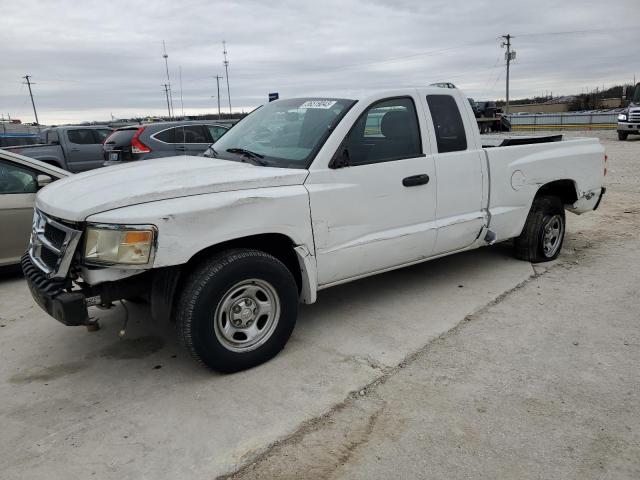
(489, 141)
(518, 166)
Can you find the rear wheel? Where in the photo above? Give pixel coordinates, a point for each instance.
(237, 310)
(622, 135)
(543, 234)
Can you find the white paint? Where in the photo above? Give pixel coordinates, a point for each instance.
(347, 222)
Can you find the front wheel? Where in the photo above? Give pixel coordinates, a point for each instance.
(622, 135)
(237, 310)
(543, 234)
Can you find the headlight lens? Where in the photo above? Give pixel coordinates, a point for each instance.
(622, 117)
(119, 245)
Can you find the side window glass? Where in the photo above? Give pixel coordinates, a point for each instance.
(166, 136)
(216, 132)
(191, 134)
(15, 179)
(447, 122)
(101, 135)
(388, 130)
(81, 136)
(52, 137)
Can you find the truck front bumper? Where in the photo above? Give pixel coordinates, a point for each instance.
(628, 127)
(70, 307)
(54, 297)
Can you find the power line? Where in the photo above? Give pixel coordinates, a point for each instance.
(509, 55)
(218, 77)
(33, 104)
(226, 71)
(166, 65)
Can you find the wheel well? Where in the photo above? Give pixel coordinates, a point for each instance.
(276, 244)
(565, 190)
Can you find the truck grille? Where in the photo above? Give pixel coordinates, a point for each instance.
(53, 245)
(634, 116)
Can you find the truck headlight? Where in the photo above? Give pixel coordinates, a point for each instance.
(622, 117)
(117, 244)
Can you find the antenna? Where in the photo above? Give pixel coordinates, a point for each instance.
(166, 66)
(226, 70)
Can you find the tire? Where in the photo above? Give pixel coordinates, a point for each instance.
(622, 135)
(214, 310)
(543, 234)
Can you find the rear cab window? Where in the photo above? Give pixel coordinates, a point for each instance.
(447, 123)
(82, 136)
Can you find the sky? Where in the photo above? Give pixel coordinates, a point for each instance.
(91, 60)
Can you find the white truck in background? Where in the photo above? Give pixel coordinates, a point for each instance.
(301, 195)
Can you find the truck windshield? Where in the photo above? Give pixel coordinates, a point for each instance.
(636, 94)
(284, 133)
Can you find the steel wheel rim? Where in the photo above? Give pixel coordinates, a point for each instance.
(247, 315)
(552, 235)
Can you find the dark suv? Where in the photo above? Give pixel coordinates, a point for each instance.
(162, 139)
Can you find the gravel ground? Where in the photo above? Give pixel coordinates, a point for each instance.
(523, 373)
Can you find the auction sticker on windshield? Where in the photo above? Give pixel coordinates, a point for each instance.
(318, 104)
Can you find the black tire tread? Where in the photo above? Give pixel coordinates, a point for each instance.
(527, 246)
(194, 285)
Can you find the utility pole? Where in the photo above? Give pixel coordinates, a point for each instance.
(28, 81)
(226, 70)
(166, 66)
(166, 92)
(218, 77)
(509, 55)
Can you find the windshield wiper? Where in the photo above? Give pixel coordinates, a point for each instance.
(248, 154)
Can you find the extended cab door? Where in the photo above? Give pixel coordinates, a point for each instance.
(460, 213)
(84, 148)
(373, 207)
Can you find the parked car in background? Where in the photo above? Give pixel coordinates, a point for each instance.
(75, 149)
(162, 139)
(20, 179)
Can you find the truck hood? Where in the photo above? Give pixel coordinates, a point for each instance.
(79, 196)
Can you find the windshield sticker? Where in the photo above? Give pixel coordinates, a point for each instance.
(326, 104)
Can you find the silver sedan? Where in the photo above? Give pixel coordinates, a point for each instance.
(20, 180)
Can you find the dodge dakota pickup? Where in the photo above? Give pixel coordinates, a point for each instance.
(301, 195)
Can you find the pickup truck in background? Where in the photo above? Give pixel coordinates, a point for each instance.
(75, 149)
(301, 195)
(629, 120)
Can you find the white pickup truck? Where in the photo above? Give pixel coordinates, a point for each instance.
(301, 195)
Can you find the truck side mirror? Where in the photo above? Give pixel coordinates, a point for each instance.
(43, 180)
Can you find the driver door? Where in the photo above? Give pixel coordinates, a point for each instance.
(377, 210)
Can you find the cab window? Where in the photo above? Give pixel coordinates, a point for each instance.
(447, 122)
(387, 131)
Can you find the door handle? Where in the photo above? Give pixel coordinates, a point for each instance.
(75, 150)
(415, 180)
(181, 148)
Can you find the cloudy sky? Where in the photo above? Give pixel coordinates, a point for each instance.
(93, 59)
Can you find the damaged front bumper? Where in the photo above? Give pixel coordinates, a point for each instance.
(68, 303)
